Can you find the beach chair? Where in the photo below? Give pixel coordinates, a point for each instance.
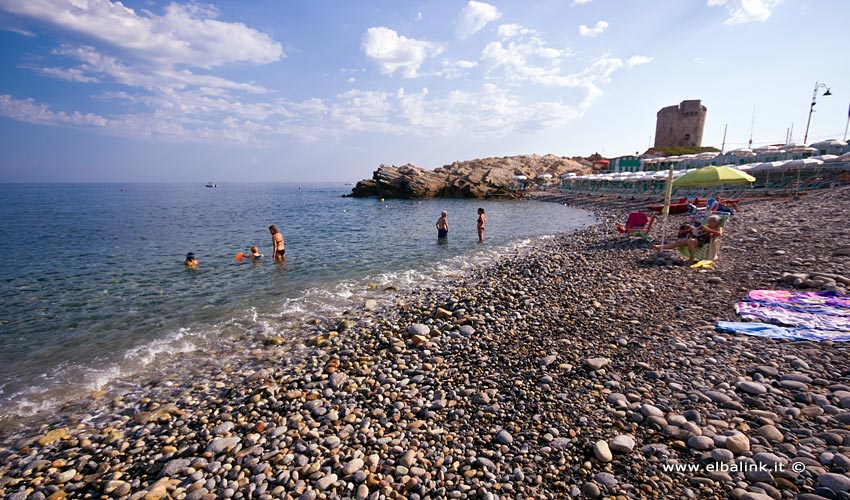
(711, 250)
(638, 225)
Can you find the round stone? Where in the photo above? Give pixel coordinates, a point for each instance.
(597, 363)
(751, 387)
(590, 490)
(738, 443)
(771, 433)
(835, 482)
(419, 329)
(701, 442)
(721, 455)
(651, 411)
(602, 451)
(353, 466)
(623, 443)
(504, 437)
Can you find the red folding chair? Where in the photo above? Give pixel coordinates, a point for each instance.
(638, 225)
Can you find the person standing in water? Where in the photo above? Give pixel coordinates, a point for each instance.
(443, 226)
(191, 262)
(482, 219)
(278, 250)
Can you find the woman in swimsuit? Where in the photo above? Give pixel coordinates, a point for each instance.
(482, 219)
(278, 251)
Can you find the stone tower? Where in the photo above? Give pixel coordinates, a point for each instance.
(680, 125)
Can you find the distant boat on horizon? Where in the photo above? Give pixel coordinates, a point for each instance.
(212, 185)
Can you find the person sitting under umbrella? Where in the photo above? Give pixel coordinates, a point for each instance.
(694, 237)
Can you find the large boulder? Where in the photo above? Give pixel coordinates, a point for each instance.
(480, 178)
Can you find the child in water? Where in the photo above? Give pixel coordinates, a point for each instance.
(255, 253)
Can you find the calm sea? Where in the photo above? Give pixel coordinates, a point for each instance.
(93, 288)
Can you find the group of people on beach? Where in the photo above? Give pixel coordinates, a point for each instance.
(279, 251)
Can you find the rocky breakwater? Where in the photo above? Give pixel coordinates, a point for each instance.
(480, 178)
(569, 370)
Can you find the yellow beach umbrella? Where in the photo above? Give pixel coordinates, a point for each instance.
(713, 176)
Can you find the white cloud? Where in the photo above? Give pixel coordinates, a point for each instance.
(474, 17)
(163, 86)
(29, 111)
(418, 16)
(394, 52)
(591, 32)
(162, 62)
(96, 67)
(581, 2)
(638, 60)
(527, 58)
(19, 31)
(745, 11)
(185, 34)
(511, 30)
(70, 74)
(487, 112)
(455, 69)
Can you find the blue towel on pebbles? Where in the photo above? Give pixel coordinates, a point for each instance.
(781, 332)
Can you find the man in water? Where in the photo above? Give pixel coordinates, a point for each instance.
(191, 262)
(443, 226)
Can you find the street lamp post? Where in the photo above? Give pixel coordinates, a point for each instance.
(812, 107)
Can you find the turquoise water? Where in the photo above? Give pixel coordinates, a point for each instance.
(93, 288)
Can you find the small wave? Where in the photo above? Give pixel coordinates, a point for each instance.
(71, 380)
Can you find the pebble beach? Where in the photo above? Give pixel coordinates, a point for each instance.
(586, 366)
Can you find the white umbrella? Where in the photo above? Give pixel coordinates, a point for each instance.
(825, 157)
(800, 165)
(829, 143)
(803, 163)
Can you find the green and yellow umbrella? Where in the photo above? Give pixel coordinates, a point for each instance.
(713, 176)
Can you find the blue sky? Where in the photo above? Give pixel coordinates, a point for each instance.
(313, 90)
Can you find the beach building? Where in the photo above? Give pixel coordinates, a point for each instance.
(600, 165)
(627, 163)
(680, 125)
